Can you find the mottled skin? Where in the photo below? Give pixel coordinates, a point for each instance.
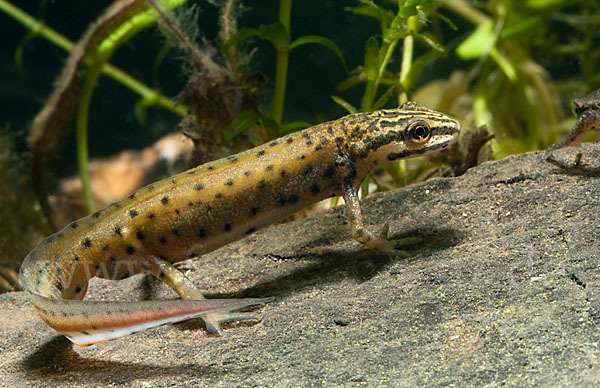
(587, 110)
(209, 206)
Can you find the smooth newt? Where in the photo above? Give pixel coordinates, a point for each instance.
(587, 110)
(202, 209)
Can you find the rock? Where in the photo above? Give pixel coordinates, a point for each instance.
(497, 283)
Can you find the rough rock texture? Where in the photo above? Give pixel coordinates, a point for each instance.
(498, 284)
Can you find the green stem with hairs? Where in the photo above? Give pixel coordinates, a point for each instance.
(109, 70)
(285, 10)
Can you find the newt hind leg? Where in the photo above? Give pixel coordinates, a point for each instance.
(221, 310)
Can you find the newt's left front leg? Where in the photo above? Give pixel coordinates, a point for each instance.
(359, 232)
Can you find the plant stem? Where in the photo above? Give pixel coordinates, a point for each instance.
(81, 133)
(113, 72)
(465, 10)
(285, 10)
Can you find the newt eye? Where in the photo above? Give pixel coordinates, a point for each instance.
(418, 132)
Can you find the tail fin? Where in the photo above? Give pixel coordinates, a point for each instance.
(89, 322)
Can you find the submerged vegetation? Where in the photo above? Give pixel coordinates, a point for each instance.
(510, 66)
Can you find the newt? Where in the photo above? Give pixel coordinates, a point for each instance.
(204, 208)
(587, 110)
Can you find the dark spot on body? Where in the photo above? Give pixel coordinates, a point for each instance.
(162, 240)
(329, 172)
(315, 189)
(229, 182)
(191, 204)
(151, 216)
(198, 186)
(161, 275)
(173, 181)
(227, 227)
(164, 200)
(210, 168)
(289, 140)
(176, 233)
(250, 230)
(260, 153)
(191, 254)
(97, 214)
(247, 172)
(59, 270)
(113, 260)
(132, 196)
(269, 167)
(262, 184)
(309, 142)
(201, 233)
(118, 230)
(273, 143)
(86, 242)
(130, 250)
(280, 198)
(140, 235)
(303, 156)
(282, 173)
(133, 213)
(145, 267)
(77, 289)
(85, 332)
(59, 285)
(74, 225)
(309, 172)
(293, 198)
(219, 195)
(253, 210)
(330, 130)
(75, 259)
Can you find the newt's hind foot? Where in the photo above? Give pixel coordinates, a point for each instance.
(213, 320)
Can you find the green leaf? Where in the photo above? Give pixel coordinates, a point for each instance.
(417, 68)
(528, 25)
(397, 30)
(371, 58)
(381, 101)
(269, 124)
(539, 5)
(431, 42)
(244, 121)
(289, 127)
(275, 33)
(352, 80)
(367, 10)
(324, 42)
(344, 104)
(239, 36)
(478, 43)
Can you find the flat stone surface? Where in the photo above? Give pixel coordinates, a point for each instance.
(498, 284)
